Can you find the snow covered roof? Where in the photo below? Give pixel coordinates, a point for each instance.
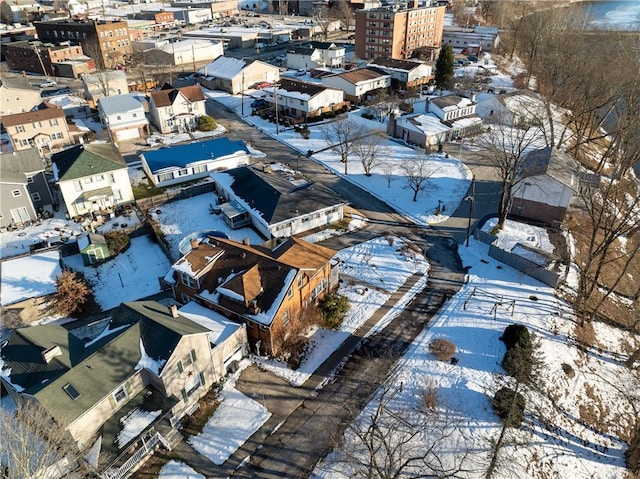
(220, 328)
(29, 277)
(187, 45)
(451, 102)
(113, 105)
(224, 67)
(427, 123)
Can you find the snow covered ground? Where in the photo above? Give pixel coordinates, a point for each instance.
(178, 470)
(17, 242)
(555, 439)
(515, 232)
(447, 185)
(130, 276)
(29, 277)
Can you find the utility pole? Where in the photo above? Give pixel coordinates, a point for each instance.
(35, 49)
(275, 95)
(471, 199)
(193, 57)
(242, 95)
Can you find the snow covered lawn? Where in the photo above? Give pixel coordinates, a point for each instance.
(367, 286)
(235, 420)
(572, 430)
(132, 275)
(515, 232)
(181, 218)
(29, 277)
(17, 242)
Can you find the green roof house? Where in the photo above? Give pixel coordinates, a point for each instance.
(150, 361)
(93, 248)
(93, 178)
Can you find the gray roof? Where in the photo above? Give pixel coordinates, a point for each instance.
(18, 83)
(25, 161)
(406, 65)
(549, 161)
(113, 105)
(278, 196)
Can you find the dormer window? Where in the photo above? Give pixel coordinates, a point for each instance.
(188, 280)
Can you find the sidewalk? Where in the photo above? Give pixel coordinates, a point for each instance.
(280, 398)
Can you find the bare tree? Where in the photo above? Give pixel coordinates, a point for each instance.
(391, 441)
(340, 10)
(34, 445)
(386, 104)
(417, 172)
(505, 145)
(104, 72)
(368, 149)
(341, 136)
(388, 169)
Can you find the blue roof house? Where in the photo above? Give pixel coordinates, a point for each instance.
(182, 163)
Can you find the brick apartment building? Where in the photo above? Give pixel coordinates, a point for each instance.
(383, 32)
(107, 42)
(23, 56)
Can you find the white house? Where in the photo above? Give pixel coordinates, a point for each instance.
(547, 186)
(176, 109)
(180, 163)
(356, 84)
(457, 112)
(405, 74)
(235, 75)
(124, 117)
(302, 100)
(191, 16)
(425, 130)
(279, 202)
(93, 178)
(104, 83)
(316, 54)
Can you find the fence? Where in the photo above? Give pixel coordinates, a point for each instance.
(174, 195)
(542, 274)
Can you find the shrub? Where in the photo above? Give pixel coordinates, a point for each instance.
(73, 294)
(517, 362)
(117, 241)
(514, 334)
(442, 348)
(429, 395)
(206, 123)
(333, 309)
(502, 403)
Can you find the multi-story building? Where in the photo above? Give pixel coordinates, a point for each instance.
(46, 127)
(17, 95)
(107, 42)
(38, 57)
(385, 32)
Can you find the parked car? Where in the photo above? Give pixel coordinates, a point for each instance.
(301, 72)
(48, 83)
(261, 85)
(258, 103)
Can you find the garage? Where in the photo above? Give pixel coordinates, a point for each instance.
(128, 134)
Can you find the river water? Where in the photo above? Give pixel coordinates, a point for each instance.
(612, 14)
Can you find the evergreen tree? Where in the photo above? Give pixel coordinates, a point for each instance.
(444, 68)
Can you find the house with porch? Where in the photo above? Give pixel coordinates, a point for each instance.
(299, 100)
(151, 364)
(24, 187)
(124, 117)
(175, 110)
(405, 74)
(191, 161)
(42, 128)
(358, 84)
(92, 178)
(316, 54)
(265, 287)
(278, 201)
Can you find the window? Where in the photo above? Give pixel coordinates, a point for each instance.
(118, 117)
(199, 169)
(35, 196)
(112, 177)
(187, 360)
(20, 128)
(53, 122)
(183, 172)
(164, 177)
(289, 292)
(120, 395)
(16, 193)
(192, 386)
(71, 391)
(78, 184)
(29, 179)
(88, 179)
(135, 115)
(188, 281)
(286, 317)
(20, 215)
(300, 281)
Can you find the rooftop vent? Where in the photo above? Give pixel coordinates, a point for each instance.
(52, 352)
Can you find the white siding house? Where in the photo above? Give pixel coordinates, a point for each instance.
(124, 116)
(316, 54)
(175, 110)
(357, 83)
(302, 100)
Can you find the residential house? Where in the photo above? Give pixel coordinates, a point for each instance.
(299, 100)
(177, 109)
(357, 85)
(25, 191)
(186, 52)
(471, 39)
(399, 32)
(546, 187)
(219, 8)
(19, 11)
(148, 354)
(93, 248)
(188, 162)
(42, 128)
(265, 287)
(278, 201)
(405, 74)
(104, 83)
(93, 178)
(124, 116)
(106, 41)
(18, 95)
(235, 75)
(446, 118)
(316, 54)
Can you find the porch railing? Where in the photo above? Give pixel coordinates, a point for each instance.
(147, 447)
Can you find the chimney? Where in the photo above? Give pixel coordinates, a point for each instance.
(195, 243)
(245, 241)
(253, 307)
(173, 309)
